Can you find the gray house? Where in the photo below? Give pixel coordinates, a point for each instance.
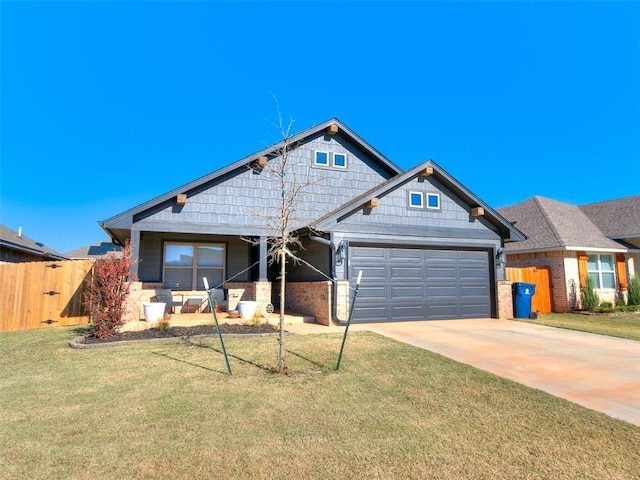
(428, 247)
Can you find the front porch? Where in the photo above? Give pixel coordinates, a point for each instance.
(192, 319)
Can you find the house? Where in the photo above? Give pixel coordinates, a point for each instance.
(16, 247)
(427, 246)
(601, 240)
(98, 250)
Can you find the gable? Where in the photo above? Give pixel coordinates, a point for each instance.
(394, 213)
(245, 197)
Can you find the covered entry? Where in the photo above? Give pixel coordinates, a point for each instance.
(407, 283)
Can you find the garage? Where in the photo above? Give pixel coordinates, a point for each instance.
(400, 284)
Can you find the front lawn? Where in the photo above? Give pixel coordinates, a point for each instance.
(168, 410)
(624, 325)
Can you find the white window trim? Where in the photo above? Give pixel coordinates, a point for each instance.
(315, 158)
(333, 159)
(437, 195)
(411, 205)
(194, 267)
(600, 271)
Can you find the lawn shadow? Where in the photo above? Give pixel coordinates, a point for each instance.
(240, 359)
(188, 363)
(302, 357)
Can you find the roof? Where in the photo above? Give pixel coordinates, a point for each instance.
(552, 225)
(124, 220)
(10, 239)
(506, 229)
(618, 218)
(101, 249)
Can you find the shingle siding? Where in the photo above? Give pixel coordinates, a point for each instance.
(328, 189)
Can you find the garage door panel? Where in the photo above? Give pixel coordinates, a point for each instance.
(438, 273)
(415, 292)
(408, 312)
(467, 272)
(417, 283)
(367, 291)
(406, 273)
(442, 292)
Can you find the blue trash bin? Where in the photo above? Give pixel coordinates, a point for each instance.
(522, 293)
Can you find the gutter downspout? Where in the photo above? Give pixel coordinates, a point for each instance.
(334, 295)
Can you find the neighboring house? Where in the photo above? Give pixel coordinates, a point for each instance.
(16, 247)
(97, 250)
(601, 240)
(427, 246)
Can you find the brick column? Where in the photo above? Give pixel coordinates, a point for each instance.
(505, 300)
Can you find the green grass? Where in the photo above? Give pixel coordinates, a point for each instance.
(168, 410)
(624, 325)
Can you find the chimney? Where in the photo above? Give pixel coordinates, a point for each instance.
(19, 232)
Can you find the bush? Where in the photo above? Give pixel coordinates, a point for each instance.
(633, 291)
(590, 298)
(106, 293)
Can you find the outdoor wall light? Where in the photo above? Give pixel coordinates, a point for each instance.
(500, 258)
(340, 254)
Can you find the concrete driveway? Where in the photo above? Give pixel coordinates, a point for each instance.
(596, 371)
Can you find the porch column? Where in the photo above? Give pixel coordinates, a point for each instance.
(262, 252)
(135, 252)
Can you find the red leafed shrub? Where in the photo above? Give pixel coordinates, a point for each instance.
(106, 293)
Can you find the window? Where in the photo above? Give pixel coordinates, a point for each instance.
(416, 200)
(433, 201)
(321, 158)
(186, 264)
(601, 269)
(339, 160)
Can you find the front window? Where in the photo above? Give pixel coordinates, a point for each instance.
(433, 201)
(601, 269)
(186, 264)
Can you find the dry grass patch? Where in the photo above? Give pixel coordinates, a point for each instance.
(393, 411)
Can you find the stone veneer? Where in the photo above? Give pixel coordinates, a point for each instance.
(505, 300)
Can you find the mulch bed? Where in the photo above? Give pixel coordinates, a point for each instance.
(181, 332)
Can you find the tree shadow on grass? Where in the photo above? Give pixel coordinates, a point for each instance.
(240, 359)
(302, 357)
(188, 363)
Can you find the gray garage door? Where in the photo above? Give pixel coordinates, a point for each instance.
(420, 284)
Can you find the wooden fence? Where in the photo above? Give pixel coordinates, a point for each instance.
(541, 278)
(42, 294)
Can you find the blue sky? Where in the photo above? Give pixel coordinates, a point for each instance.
(105, 105)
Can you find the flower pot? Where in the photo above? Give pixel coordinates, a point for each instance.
(153, 311)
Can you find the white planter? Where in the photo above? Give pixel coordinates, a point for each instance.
(153, 311)
(247, 309)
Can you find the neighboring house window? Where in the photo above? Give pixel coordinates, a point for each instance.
(433, 201)
(339, 160)
(416, 200)
(321, 158)
(601, 269)
(186, 264)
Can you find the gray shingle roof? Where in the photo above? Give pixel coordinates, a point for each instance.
(552, 225)
(96, 250)
(10, 239)
(618, 218)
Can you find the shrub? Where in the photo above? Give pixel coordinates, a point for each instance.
(589, 296)
(106, 293)
(633, 291)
